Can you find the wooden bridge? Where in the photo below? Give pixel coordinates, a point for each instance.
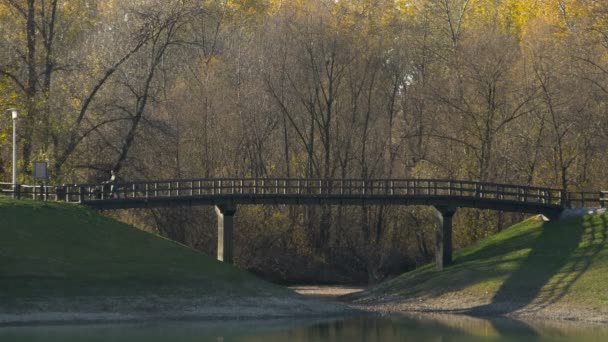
(226, 194)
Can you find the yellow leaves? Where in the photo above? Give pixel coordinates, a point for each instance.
(4, 11)
(108, 8)
(424, 169)
(406, 7)
(76, 103)
(515, 14)
(248, 8)
(509, 16)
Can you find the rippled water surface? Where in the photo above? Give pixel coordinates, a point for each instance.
(368, 328)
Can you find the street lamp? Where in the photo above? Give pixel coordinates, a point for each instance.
(14, 112)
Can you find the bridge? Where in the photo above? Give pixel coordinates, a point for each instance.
(226, 194)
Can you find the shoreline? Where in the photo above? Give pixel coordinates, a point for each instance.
(450, 305)
(248, 308)
(309, 302)
(478, 309)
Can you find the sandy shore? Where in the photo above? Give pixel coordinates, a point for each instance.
(461, 305)
(140, 309)
(326, 293)
(452, 304)
(312, 302)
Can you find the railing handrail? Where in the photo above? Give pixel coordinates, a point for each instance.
(248, 179)
(390, 187)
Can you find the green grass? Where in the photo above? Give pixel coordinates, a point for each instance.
(531, 263)
(52, 250)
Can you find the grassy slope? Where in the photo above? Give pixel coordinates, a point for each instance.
(531, 265)
(51, 251)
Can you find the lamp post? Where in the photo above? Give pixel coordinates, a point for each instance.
(14, 112)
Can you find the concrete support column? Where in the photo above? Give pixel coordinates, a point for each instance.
(225, 232)
(443, 237)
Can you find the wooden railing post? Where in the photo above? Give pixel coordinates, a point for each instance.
(60, 193)
(522, 194)
(81, 194)
(17, 191)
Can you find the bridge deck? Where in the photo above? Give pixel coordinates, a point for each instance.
(237, 191)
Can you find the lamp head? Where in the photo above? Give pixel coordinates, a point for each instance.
(14, 112)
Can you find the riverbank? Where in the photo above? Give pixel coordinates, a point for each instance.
(533, 270)
(326, 293)
(133, 309)
(65, 263)
(473, 307)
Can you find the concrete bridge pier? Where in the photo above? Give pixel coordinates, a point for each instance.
(225, 232)
(443, 237)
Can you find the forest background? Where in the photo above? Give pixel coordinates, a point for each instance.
(509, 91)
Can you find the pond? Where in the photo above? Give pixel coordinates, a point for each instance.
(363, 328)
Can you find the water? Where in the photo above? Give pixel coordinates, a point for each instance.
(365, 328)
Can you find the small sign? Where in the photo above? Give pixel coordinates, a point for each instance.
(40, 170)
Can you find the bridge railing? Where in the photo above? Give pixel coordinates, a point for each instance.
(306, 187)
(587, 199)
(312, 187)
(35, 192)
(604, 199)
(6, 188)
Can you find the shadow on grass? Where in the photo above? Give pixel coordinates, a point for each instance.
(559, 257)
(484, 262)
(548, 263)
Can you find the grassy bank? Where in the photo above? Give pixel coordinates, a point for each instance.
(65, 258)
(557, 270)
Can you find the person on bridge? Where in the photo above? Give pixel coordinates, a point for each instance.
(112, 183)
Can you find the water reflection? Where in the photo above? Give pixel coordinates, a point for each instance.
(366, 328)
